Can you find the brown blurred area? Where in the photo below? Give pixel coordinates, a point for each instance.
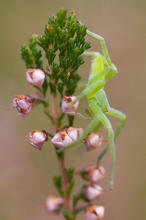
(25, 173)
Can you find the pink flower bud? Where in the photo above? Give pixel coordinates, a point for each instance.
(37, 138)
(23, 104)
(74, 133)
(35, 77)
(93, 140)
(54, 203)
(61, 139)
(69, 135)
(94, 212)
(92, 192)
(93, 173)
(71, 110)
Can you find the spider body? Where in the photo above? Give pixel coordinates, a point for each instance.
(102, 69)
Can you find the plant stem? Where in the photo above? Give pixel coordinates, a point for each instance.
(54, 111)
(64, 181)
(61, 156)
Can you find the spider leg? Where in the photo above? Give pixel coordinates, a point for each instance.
(106, 123)
(98, 125)
(103, 46)
(113, 69)
(115, 113)
(93, 86)
(106, 56)
(89, 129)
(84, 117)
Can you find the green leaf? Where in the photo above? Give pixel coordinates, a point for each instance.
(31, 55)
(69, 189)
(70, 180)
(60, 88)
(58, 184)
(69, 215)
(52, 87)
(45, 87)
(27, 56)
(69, 174)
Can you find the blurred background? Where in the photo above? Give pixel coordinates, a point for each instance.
(26, 173)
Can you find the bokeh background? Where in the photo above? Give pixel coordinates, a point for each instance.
(25, 173)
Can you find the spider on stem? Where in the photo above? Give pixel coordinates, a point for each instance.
(102, 69)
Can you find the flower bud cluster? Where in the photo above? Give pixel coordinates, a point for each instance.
(66, 36)
(93, 191)
(25, 103)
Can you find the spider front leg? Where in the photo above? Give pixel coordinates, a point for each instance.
(103, 46)
(106, 56)
(90, 128)
(117, 114)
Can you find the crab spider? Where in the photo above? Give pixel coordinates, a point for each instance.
(102, 69)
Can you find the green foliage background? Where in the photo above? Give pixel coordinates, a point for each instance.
(25, 173)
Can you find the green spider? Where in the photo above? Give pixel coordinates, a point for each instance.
(102, 69)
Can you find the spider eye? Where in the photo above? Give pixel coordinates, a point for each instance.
(107, 108)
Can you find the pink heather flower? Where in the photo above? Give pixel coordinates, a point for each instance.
(71, 110)
(37, 138)
(93, 173)
(93, 140)
(94, 212)
(23, 104)
(54, 203)
(35, 77)
(92, 192)
(74, 133)
(61, 139)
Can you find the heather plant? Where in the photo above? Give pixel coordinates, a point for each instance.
(52, 67)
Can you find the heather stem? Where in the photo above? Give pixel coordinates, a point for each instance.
(54, 111)
(64, 181)
(60, 156)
